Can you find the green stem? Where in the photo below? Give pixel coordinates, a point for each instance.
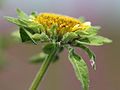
(43, 69)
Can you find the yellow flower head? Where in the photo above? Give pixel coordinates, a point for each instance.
(65, 23)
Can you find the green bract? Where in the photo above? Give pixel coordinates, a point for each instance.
(31, 32)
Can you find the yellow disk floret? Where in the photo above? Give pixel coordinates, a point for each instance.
(65, 23)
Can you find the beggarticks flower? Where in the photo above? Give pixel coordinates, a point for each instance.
(59, 32)
(65, 23)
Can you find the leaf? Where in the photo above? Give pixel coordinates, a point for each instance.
(34, 14)
(48, 48)
(15, 21)
(27, 24)
(26, 36)
(92, 30)
(16, 35)
(36, 36)
(38, 58)
(34, 25)
(22, 15)
(81, 32)
(94, 40)
(69, 36)
(41, 37)
(80, 68)
(82, 19)
(53, 33)
(90, 53)
(41, 57)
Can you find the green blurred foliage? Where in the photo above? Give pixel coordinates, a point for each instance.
(5, 42)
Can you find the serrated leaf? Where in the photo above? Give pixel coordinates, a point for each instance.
(15, 21)
(34, 25)
(21, 14)
(41, 37)
(90, 54)
(69, 36)
(82, 19)
(92, 30)
(27, 24)
(80, 68)
(94, 40)
(26, 36)
(82, 33)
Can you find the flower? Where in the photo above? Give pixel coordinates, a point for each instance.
(60, 32)
(65, 23)
(92, 63)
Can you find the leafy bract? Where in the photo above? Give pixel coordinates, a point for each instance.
(15, 21)
(22, 15)
(26, 36)
(53, 33)
(41, 37)
(92, 30)
(69, 36)
(48, 48)
(16, 35)
(90, 54)
(36, 27)
(94, 40)
(80, 68)
(34, 14)
(82, 19)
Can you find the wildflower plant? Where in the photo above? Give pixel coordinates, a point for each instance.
(58, 32)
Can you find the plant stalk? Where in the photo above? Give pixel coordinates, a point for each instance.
(43, 69)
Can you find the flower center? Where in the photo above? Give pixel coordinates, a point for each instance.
(65, 23)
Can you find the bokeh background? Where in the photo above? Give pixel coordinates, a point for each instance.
(17, 73)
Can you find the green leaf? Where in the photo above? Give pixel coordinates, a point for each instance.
(80, 68)
(81, 32)
(34, 14)
(38, 58)
(26, 36)
(94, 40)
(82, 19)
(41, 57)
(27, 24)
(41, 37)
(92, 31)
(36, 36)
(48, 48)
(21, 14)
(53, 33)
(69, 36)
(16, 35)
(34, 25)
(15, 21)
(90, 53)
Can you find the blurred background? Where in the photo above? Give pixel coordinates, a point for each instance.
(17, 73)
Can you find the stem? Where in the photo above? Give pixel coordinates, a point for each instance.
(43, 69)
